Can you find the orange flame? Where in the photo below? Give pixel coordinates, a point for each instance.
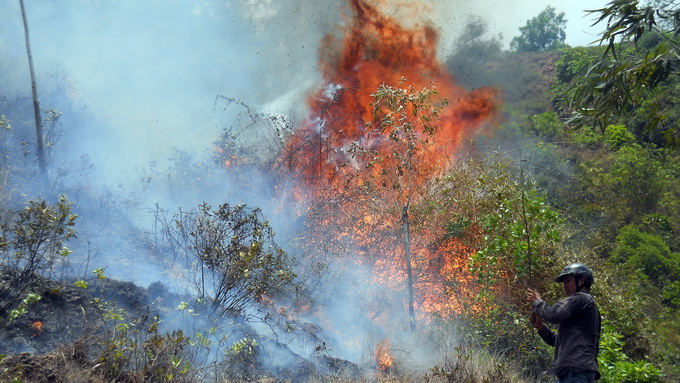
(383, 358)
(375, 50)
(38, 325)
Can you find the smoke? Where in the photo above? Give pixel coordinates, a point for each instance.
(148, 71)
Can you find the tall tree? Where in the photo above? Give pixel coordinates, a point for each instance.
(542, 33)
(408, 119)
(642, 48)
(42, 163)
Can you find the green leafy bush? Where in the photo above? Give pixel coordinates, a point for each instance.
(618, 136)
(31, 243)
(516, 236)
(647, 253)
(671, 295)
(615, 367)
(230, 255)
(574, 62)
(134, 350)
(546, 125)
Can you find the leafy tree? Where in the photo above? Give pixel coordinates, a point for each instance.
(230, 252)
(544, 32)
(615, 365)
(408, 117)
(637, 178)
(31, 242)
(625, 74)
(508, 236)
(648, 254)
(517, 237)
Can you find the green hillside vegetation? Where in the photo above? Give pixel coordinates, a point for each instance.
(615, 188)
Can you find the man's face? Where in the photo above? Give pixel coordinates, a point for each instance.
(569, 285)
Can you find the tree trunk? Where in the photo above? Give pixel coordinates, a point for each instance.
(42, 165)
(409, 273)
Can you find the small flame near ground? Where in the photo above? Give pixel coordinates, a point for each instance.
(383, 358)
(38, 326)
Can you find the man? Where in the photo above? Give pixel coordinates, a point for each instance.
(577, 341)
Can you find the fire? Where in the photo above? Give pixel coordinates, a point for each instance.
(38, 325)
(349, 206)
(375, 50)
(383, 358)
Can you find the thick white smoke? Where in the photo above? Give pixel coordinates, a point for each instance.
(149, 71)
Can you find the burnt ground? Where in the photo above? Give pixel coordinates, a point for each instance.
(67, 337)
(48, 342)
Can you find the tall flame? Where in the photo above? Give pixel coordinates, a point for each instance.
(374, 50)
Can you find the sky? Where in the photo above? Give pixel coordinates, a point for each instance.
(509, 16)
(148, 72)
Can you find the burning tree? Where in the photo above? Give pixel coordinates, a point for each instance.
(386, 124)
(408, 119)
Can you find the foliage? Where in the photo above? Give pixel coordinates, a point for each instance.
(133, 350)
(648, 254)
(31, 244)
(409, 119)
(542, 33)
(518, 239)
(617, 83)
(22, 308)
(636, 176)
(611, 181)
(518, 236)
(615, 365)
(231, 254)
(574, 62)
(243, 351)
(546, 125)
(671, 294)
(661, 103)
(511, 234)
(618, 136)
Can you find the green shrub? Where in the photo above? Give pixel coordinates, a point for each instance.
(32, 242)
(574, 62)
(547, 125)
(647, 253)
(671, 294)
(230, 255)
(615, 367)
(587, 136)
(618, 136)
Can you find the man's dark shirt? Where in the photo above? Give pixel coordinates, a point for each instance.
(577, 340)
